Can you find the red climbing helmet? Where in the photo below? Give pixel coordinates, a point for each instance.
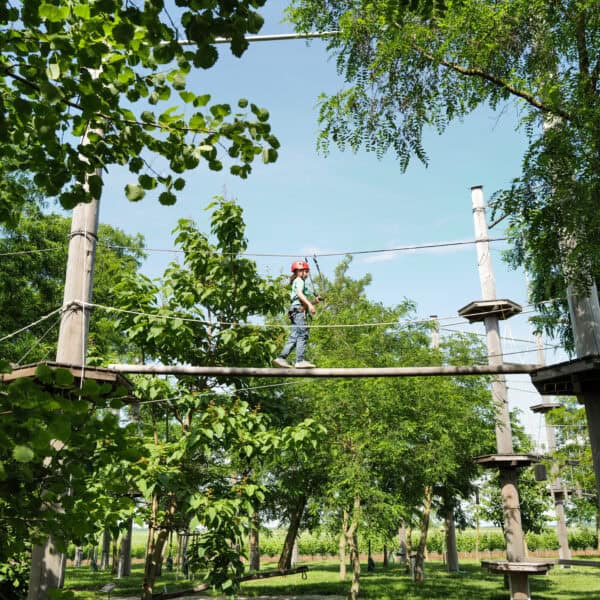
(300, 264)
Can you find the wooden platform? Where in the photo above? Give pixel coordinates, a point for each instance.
(544, 407)
(506, 567)
(99, 374)
(479, 310)
(491, 461)
(570, 378)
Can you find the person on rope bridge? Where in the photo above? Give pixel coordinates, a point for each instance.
(300, 304)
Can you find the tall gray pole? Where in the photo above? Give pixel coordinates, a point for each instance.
(47, 565)
(584, 310)
(492, 324)
(450, 529)
(513, 531)
(556, 486)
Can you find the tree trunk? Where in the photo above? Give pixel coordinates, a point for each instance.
(453, 566)
(598, 526)
(184, 555)
(115, 556)
(354, 552)
(78, 556)
(285, 560)
(105, 556)
(342, 546)
(385, 556)
(153, 562)
(155, 547)
(420, 558)
(254, 543)
(124, 566)
(402, 548)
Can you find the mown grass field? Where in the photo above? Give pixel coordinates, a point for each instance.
(472, 583)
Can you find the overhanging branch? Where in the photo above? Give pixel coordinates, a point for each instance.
(474, 72)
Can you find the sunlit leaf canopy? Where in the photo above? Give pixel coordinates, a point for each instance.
(118, 73)
(418, 64)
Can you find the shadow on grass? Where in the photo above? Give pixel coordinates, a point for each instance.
(85, 583)
(472, 582)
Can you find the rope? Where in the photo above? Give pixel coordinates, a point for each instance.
(223, 393)
(426, 246)
(10, 335)
(284, 326)
(40, 340)
(38, 251)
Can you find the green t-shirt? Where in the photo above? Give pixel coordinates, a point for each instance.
(298, 285)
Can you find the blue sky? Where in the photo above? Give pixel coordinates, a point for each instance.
(307, 203)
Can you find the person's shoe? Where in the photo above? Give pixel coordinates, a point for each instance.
(304, 364)
(282, 363)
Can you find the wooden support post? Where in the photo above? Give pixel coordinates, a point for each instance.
(519, 586)
(513, 531)
(124, 564)
(584, 310)
(451, 547)
(450, 530)
(47, 565)
(556, 485)
(591, 401)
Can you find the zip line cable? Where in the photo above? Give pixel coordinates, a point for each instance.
(37, 251)
(223, 393)
(40, 320)
(276, 325)
(425, 246)
(39, 341)
(508, 339)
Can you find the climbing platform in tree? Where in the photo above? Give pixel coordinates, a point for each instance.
(570, 378)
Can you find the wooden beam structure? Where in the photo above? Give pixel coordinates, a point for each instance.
(441, 371)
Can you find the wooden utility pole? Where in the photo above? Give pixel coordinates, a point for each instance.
(557, 489)
(450, 529)
(585, 321)
(48, 565)
(490, 310)
(578, 377)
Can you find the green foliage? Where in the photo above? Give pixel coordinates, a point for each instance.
(206, 444)
(534, 499)
(415, 64)
(62, 446)
(32, 281)
(387, 438)
(572, 460)
(108, 71)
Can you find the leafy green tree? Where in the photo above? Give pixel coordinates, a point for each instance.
(206, 443)
(61, 445)
(574, 458)
(534, 499)
(412, 64)
(390, 441)
(117, 73)
(32, 282)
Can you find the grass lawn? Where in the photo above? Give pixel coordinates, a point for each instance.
(472, 583)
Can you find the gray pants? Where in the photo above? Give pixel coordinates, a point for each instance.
(298, 337)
